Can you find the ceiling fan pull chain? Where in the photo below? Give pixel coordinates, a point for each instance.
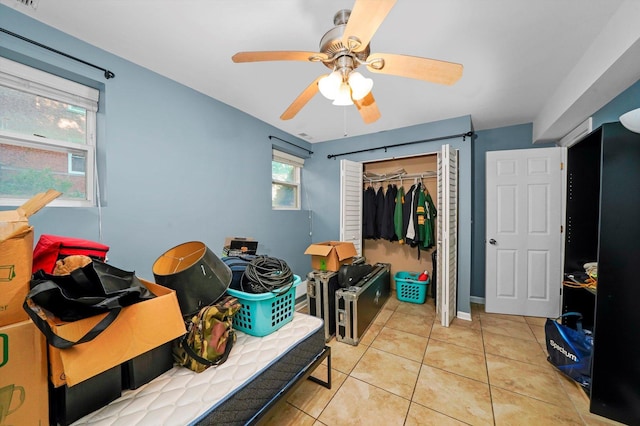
(344, 111)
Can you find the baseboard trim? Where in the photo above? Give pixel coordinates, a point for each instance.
(464, 316)
(478, 300)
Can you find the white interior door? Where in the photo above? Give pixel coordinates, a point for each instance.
(524, 238)
(447, 276)
(351, 203)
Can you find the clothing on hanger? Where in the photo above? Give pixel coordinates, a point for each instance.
(368, 213)
(398, 215)
(379, 212)
(408, 212)
(388, 231)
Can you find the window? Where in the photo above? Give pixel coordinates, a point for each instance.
(285, 181)
(47, 136)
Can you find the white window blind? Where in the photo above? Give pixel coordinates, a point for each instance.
(283, 157)
(30, 80)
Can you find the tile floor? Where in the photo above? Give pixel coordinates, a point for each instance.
(409, 370)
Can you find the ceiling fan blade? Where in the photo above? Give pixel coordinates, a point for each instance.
(366, 16)
(301, 100)
(432, 70)
(277, 55)
(368, 108)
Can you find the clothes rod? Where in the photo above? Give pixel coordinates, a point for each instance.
(462, 135)
(291, 143)
(400, 177)
(107, 74)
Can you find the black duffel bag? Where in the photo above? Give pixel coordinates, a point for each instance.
(350, 275)
(93, 289)
(238, 266)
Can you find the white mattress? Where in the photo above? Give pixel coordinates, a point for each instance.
(181, 396)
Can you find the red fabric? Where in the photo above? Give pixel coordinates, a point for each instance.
(50, 248)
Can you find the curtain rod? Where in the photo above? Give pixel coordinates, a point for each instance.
(463, 135)
(291, 143)
(107, 74)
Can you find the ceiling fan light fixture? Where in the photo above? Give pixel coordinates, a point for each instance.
(344, 96)
(360, 85)
(631, 120)
(329, 85)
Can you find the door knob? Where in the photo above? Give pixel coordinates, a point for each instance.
(492, 242)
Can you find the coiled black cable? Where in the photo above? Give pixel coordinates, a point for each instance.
(267, 274)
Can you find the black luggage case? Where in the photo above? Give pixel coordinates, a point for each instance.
(357, 306)
(321, 299)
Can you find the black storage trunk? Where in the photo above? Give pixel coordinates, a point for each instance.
(69, 404)
(147, 366)
(357, 306)
(321, 297)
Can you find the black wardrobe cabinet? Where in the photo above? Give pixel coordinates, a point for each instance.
(603, 225)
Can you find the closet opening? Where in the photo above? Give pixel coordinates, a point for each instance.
(419, 173)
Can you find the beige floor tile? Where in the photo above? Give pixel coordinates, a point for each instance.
(516, 318)
(527, 379)
(371, 333)
(286, 415)
(456, 359)
(538, 331)
(344, 356)
(415, 324)
(392, 302)
(477, 307)
(359, 403)
(427, 309)
(459, 397)
(575, 392)
(311, 397)
(423, 416)
(535, 320)
(473, 324)
(591, 419)
(401, 343)
(387, 371)
(518, 349)
(383, 316)
(506, 327)
(460, 336)
(581, 402)
(514, 409)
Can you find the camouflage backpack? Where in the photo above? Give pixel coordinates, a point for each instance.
(209, 336)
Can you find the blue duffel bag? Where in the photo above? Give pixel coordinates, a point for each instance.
(238, 264)
(570, 350)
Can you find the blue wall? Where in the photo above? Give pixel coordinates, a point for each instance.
(175, 165)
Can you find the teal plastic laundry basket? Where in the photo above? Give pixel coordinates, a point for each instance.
(409, 289)
(264, 313)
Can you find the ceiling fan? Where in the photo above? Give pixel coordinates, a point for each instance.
(343, 49)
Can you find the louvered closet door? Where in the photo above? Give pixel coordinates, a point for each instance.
(351, 203)
(447, 276)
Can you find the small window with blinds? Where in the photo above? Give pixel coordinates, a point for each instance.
(47, 136)
(285, 181)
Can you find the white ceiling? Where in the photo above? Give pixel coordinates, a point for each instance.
(516, 54)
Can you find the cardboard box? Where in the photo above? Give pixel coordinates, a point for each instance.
(330, 255)
(16, 256)
(138, 329)
(23, 375)
(235, 246)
